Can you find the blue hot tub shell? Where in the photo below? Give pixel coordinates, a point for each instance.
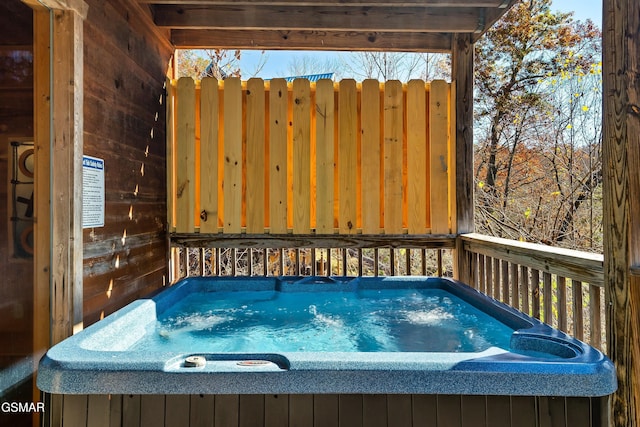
(97, 360)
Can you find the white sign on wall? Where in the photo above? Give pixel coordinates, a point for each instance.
(92, 192)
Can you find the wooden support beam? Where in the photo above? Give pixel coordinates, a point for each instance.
(242, 241)
(319, 18)
(621, 160)
(312, 40)
(66, 165)
(462, 77)
(338, 3)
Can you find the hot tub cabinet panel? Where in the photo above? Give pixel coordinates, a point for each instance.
(329, 410)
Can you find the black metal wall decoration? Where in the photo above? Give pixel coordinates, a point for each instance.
(21, 194)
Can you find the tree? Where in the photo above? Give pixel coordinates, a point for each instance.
(218, 63)
(530, 168)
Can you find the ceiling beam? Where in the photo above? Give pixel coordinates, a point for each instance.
(311, 40)
(411, 19)
(334, 3)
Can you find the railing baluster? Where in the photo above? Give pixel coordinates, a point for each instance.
(547, 294)
(595, 319)
(578, 323)
(407, 267)
(496, 278)
(483, 274)
(392, 260)
(524, 288)
(562, 303)
(535, 293)
(439, 255)
(376, 261)
(515, 285)
(281, 262)
(504, 275)
(423, 259)
(489, 269)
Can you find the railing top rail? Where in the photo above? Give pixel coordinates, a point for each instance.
(576, 265)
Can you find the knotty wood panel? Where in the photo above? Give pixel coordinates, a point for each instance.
(371, 157)
(347, 156)
(278, 156)
(325, 122)
(186, 156)
(232, 155)
(368, 171)
(301, 156)
(255, 127)
(393, 190)
(209, 155)
(417, 162)
(439, 155)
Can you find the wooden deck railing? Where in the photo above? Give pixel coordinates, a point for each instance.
(561, 287)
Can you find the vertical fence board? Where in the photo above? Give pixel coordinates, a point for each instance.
(504, 277)
(186, 157)
(417, 171)
(370, 140)
(171, 165)
(347, 156)
(515, 285)
(209, 156)
(393, 134)
(278, 156)
(439, 155)
(325, 122)
(232, 155)
(301, 156)
(255, 156)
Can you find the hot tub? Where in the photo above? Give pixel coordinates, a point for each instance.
(319, 336)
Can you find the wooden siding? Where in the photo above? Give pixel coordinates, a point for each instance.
(125, 62)
(332, 410)
(311, 159)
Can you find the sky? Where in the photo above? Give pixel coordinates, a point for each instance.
(277, 61)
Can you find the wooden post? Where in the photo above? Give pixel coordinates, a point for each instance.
(66, 165)
(621, 160)
(462, 76)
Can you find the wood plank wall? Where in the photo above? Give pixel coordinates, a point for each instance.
(326, 158)
(124, 67)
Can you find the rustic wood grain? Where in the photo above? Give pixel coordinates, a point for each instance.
(325, 143)
(347, 156)
(255, 131)
(301, 106)
(209, 154)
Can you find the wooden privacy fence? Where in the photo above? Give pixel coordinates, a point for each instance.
(319, 158)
